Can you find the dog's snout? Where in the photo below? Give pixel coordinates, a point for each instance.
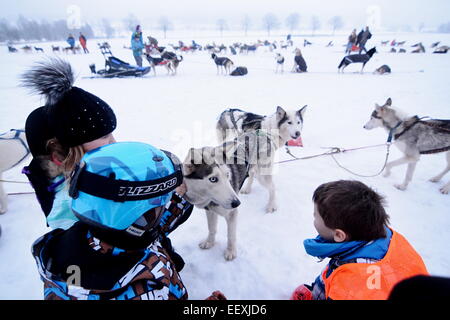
(235, 203)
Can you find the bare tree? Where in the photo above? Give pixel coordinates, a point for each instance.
(336, 23)
(315, 24)
(270, 22)
(221, 25)
(130, 22)
(107, 28)
(421, 26)
(246, 23)
(444, 28)
(8, 32)
(164, 25)
(292, 21)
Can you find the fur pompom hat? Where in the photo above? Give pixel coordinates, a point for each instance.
(74, 116)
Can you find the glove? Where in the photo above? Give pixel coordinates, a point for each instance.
(302, 292)
(217, 295)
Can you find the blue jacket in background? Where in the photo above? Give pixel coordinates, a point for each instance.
(71, 41)
(137, 44)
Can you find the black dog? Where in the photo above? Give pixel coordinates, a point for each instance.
(356, 58)
(223, 63)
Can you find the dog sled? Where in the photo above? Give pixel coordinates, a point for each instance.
(114, 67)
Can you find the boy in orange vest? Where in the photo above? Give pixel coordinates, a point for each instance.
(367, 257)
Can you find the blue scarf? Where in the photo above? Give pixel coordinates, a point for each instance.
(321, 248)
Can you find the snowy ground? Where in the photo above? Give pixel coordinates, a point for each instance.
(177, 112)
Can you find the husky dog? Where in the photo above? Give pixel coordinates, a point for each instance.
(282, 127)
(214, 176)
(420, 48)
(13, 149)
(27, 49)
(383, 69)
(299, 62)
(174, 61)
(38, 49)
(356, 58)
(234, 122)
(55, 48)
(280, 62)
(222, 63)
(413, 137)
(442, 49)
(164, 58)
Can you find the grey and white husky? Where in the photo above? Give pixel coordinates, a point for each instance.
(282, 126)
(413, 137)
(287, 124)
(214, 177)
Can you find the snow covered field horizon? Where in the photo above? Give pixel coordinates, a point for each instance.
(179, 112)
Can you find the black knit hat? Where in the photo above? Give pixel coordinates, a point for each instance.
(80, 117)
(75, 116)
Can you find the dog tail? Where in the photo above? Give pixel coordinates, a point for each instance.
(52, 79)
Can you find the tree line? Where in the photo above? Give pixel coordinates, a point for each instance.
(26, 29)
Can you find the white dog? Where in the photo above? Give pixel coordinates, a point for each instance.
(13, 150)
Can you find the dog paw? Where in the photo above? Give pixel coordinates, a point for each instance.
(271, 209)
(206, 244)
(435, 179)
(401, 187)
(230, 254)
(445, 190)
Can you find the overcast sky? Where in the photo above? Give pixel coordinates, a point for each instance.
(355, 13)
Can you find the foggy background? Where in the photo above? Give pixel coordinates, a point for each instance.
(52, 20)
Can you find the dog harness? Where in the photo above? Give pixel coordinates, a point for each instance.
(24, 144)
(433, 125)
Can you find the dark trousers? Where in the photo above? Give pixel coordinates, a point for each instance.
(138, 60)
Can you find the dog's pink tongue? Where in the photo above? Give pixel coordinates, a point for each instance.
(295, 142)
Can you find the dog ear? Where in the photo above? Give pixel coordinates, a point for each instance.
(388, 102)
(208, 155)
(301, 112)
(188, 163)
(280, 113)
(194, 156)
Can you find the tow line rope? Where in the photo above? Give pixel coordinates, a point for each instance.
(336, 150)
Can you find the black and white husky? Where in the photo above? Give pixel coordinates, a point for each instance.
(413, 137)
(223, 64)
(356, 58)
(280, 62)
(13, 150)
(214, 177)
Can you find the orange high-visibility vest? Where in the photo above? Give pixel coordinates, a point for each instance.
(374, 281)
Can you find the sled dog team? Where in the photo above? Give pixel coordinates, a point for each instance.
(116, 203)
